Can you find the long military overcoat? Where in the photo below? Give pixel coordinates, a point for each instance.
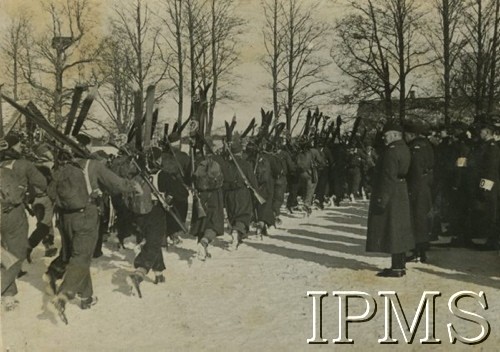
(419, 187)
(389, 223)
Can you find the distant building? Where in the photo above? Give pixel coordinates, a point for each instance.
(429, 109)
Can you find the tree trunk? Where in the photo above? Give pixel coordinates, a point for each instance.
(291, 58)
(446, 62)
(178, 34)
(479, 65)
(276, 50)
(493, 59)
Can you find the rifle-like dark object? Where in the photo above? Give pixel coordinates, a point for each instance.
(196, 198)
(156, 192)
(256, 194)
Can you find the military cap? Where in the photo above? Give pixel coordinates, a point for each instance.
(487, 125)
(12, 139)
(83, 139)
(100, 155)
(392, 126)
(415, 127)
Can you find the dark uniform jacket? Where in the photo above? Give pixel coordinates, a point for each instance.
(265, 182)
(389, 223)
(487, 188)
(213, 204)
(419, 186)
(237, 196)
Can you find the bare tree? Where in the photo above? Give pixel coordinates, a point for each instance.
(303, 74)
(14, 42)
(224, 27)
(448, 43)
(174, 22)
(361, 53)
(145, 63)
(56, 52)
(116, 93)
(273, 37)
(493, 80)
(408, 51)
(384, 39)
(193, 19)
(478, 80)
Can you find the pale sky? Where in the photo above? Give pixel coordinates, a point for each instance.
(252, 77)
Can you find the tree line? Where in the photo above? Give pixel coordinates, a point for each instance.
(187, 46)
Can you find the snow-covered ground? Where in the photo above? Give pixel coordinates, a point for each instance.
(254, 299)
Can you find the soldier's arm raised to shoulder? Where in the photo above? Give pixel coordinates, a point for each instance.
(35, 178)
(113, 183)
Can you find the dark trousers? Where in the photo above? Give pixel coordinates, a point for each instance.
(79, 232)
(180, 207)
(293, 190)
(40, 234)
(322, 188)
(153, 228)
(398, 261)
(14, 232)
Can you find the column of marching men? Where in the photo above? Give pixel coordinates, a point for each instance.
(448, 178)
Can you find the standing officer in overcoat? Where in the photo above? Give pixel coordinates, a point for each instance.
(389, 222)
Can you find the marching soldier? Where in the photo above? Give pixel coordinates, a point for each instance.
(151, 220)
(265, 182)
(17, 175)
(43, 208)
(176, 166)
(208, 180)
(237, 196)
(76, 190)
(354, 164)
(292, 177)
(323, 186)
(307, 174)
(338, 172)
(287, 166)
(389, 219)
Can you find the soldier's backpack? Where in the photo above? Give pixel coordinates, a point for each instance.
(208, 175)
(304, 161)
(277, 167)
(12, 191)
(72, 185)
(139, 204)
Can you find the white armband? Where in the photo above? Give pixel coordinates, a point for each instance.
(486, 184)
(461, 162)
